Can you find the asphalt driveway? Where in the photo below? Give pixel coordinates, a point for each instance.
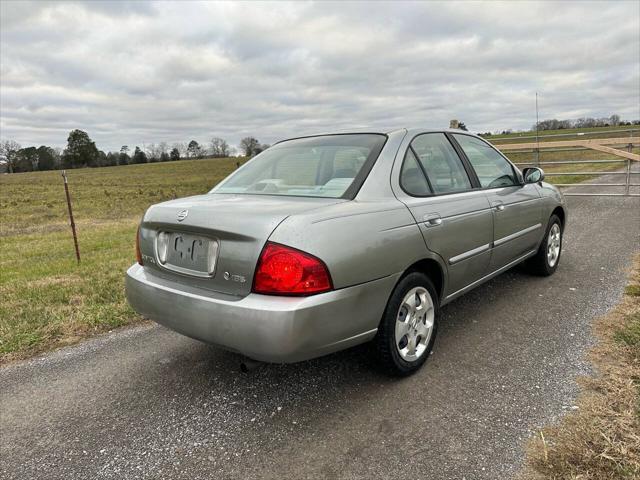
(148, 403)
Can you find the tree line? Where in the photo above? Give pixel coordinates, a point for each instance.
(583, 122)
(82, 152)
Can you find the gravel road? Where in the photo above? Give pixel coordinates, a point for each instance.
(148, 403)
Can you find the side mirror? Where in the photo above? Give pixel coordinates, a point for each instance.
(533, 175)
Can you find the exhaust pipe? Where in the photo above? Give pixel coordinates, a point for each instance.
(248, 365)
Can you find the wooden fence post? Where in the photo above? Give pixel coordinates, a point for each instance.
(73, 225)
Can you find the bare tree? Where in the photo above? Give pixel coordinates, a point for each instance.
(153, 152)
(219, 147)
(250, 146)
(182, 149)
(9, 150)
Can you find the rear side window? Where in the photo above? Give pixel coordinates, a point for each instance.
(443, 167)
(412, 178)
(492, 169)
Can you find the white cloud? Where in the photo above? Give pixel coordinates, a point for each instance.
(129, 73)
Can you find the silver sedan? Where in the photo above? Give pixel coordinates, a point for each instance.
(324, 242)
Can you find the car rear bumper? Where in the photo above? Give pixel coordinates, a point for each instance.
(263, 327)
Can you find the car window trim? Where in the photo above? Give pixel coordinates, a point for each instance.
(421, 168)
(471, 173)
(352, 191)
(473, 181)
(515, 170)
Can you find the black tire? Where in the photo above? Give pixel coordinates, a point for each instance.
(540, 263)
(386, 348)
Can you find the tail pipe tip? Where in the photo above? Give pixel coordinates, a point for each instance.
(248, 365)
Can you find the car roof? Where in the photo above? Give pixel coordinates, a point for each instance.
(412, 131)
(417, 130)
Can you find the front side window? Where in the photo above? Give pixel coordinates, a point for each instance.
(324, 166)
(443, 167)
(492, 169)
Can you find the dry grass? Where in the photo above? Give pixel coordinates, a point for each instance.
(601, 440)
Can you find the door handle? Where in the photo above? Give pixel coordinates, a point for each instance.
(432, 220)
(498, 206)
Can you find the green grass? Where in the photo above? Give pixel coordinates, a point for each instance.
(630, 334)
(632, 290)
(47, 299)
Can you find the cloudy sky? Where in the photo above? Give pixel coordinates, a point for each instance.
(142, 72)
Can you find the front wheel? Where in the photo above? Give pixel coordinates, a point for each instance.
(408, 327)
(545, 261)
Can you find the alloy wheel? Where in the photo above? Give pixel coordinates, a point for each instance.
(414, 324)
(553, 244)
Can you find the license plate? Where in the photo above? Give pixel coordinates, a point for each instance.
(186, 253)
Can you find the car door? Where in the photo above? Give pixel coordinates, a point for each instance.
(454, 217)
(517, 209)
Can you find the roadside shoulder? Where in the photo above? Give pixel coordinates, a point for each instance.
(601, 439)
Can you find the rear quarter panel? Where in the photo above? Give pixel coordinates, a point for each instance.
(359, 241)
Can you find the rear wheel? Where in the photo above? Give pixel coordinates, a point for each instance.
(545, 262)
(408, 327)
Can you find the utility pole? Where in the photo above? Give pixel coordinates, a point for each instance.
(537, 139)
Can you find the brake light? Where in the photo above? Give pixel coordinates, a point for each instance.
(284, 270)
(138, 254)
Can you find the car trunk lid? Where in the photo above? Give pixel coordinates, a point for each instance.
(231, 228)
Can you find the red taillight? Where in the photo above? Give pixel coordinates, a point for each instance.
(138, 254)
(284, 270)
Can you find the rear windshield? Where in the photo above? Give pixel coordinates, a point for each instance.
(332, 166)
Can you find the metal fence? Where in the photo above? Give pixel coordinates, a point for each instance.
(627, 173)
(618, 145)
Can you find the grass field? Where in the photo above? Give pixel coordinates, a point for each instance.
(47, 299)
(595, 132)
